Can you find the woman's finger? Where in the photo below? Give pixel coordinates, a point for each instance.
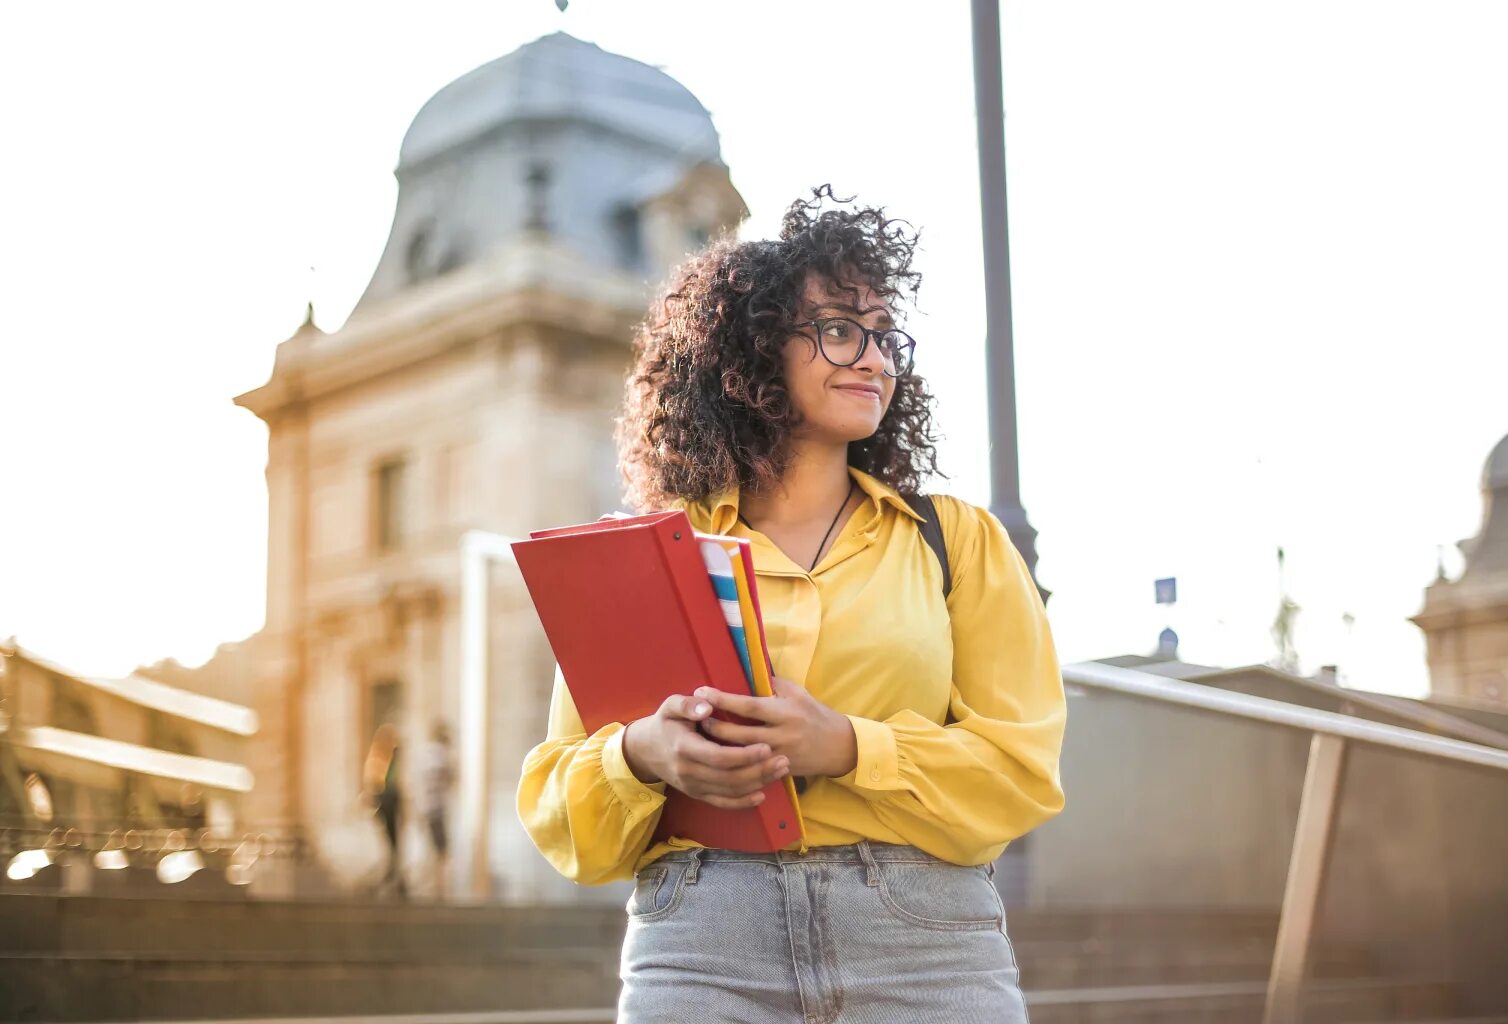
(735, 782)
(761, 709)
(702, 751)
(748, 780)
(743, 735)
(788, 688)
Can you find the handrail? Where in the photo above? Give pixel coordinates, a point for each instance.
(1319, 803)
(1412, 713)
(1275, 712)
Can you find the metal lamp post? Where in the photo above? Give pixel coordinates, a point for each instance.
(1000, 368)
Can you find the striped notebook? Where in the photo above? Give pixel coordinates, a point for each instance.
(719, 559)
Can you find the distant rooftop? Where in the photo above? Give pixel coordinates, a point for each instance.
(148, 693)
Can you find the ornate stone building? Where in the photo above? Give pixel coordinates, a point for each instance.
(1465, 620)
(540, 198)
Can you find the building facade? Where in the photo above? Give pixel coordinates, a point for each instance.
(541, 198)
(1465, 621)
(128, 766)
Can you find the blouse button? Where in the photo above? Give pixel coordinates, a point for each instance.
(874, 773)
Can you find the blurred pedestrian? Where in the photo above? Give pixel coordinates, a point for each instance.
(772, 398)
(436, 779)
(380, 778)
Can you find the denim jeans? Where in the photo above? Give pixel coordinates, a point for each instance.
(864, 934)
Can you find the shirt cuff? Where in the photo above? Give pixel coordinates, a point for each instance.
(640, 798)
(879, 765)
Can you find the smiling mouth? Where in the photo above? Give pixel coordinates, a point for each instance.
(861, 392)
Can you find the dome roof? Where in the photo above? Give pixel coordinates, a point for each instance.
(559, 77)
(1495, 474)
(558, 139)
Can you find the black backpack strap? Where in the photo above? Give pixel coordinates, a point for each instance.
(933, 535)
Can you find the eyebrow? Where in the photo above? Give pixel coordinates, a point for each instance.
(884, 317)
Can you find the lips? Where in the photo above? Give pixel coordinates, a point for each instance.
(861, 390)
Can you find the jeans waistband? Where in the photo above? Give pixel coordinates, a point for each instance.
(856, 853)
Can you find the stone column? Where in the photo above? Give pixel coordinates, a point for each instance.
(275, 801)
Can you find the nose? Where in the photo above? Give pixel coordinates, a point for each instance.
(871, 360)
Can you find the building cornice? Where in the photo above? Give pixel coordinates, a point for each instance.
(1463, 604)
(535, 281)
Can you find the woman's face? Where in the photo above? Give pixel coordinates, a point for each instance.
(838, 403)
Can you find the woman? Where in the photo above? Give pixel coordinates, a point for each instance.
(771, 398)
(380, 779)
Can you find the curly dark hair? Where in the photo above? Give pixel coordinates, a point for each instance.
(706, 406)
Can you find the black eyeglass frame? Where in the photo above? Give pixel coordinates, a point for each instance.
(863, 344)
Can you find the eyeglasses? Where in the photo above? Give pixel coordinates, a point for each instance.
(842, 342)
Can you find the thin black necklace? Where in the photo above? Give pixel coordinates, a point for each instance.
(848, 494)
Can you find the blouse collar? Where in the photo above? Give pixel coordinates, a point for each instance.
(718, 513)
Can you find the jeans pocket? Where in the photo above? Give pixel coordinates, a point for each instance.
(657, 891)
(940, 896)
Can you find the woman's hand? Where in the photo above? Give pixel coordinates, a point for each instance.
(815, 739)
(666, 747)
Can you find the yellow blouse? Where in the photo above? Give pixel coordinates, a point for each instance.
(957, 707)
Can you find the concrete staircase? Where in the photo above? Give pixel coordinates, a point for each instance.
(85, 958)
(92, 959)
(1193, 966)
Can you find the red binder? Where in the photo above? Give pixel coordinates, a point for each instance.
(632, 618)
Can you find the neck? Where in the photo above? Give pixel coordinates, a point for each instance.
(812, 487)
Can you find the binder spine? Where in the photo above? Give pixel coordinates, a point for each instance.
(675, 560)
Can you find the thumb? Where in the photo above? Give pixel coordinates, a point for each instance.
(686, 708)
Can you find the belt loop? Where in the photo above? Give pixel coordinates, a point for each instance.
(695, 868)
(871, 868)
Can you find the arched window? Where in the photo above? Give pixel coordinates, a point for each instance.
(628, 237)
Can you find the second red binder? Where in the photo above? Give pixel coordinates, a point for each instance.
(632, 618)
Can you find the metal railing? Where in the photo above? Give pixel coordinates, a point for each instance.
(1318, 806)
(174, 850)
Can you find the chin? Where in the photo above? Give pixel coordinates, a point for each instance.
(850, 430)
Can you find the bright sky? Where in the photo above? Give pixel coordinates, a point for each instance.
(1259, 255)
